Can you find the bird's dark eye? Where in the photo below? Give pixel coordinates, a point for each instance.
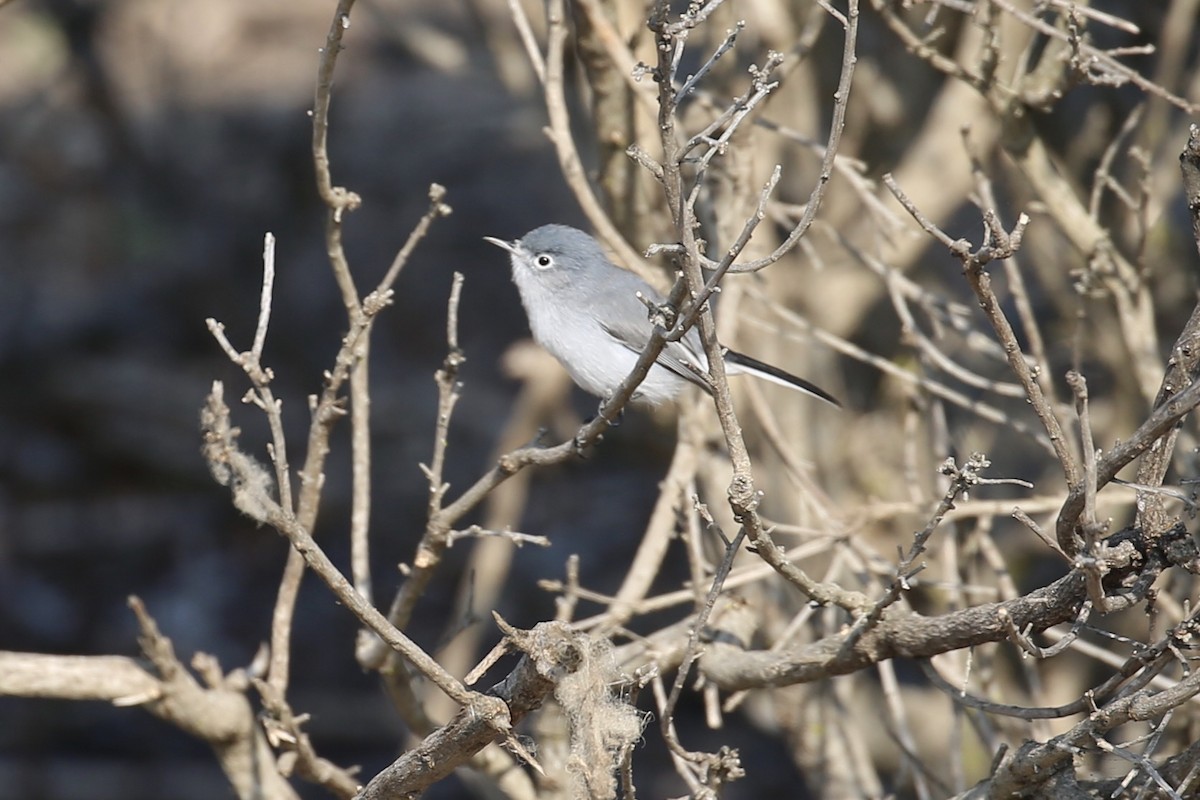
(544, 261)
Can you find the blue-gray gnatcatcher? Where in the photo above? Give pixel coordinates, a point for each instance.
(586, 312)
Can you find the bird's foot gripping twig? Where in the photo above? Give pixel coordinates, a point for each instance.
(583, 443)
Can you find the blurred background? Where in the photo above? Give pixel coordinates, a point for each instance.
(145, 148)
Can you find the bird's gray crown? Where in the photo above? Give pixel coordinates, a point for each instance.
(571, 248)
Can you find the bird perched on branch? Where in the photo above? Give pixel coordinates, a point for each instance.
(592, 316)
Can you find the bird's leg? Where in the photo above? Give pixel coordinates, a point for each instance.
(616, 421)
(661, 315)
(581, 447)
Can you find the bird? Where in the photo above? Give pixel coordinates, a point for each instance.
(590, 315)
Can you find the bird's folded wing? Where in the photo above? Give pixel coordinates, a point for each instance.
(674, 356)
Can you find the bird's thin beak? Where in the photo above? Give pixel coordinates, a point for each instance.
(509, 246)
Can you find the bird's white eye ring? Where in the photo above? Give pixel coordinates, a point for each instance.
(544, 261)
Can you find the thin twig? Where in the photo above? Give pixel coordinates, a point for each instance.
(962, 480)
(1001, 246)
(560, 135)
(261, 395)
(251, 496)
(836, 126)
(447, 383)
(338, 199)
(264, 302)
(1160, 421)
(525, 31)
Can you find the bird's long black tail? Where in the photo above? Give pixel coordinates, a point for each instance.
(755, 367)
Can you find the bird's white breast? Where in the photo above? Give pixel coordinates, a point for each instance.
(574, 335)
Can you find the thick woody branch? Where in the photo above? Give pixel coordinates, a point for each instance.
(905, 634)
(113, 679)
(216, 711)
(1036, 763)
(551, 650)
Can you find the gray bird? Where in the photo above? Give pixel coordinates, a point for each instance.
(586, 312)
